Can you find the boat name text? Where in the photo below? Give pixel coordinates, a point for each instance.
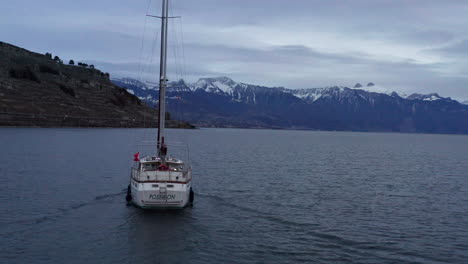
(162, 196)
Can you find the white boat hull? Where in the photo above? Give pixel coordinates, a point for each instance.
(160, 195)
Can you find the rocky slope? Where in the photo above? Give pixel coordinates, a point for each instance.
(226, 103)
(36, 90)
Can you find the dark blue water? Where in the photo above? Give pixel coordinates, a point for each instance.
(262, 196)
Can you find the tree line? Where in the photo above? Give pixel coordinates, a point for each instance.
(71, 62)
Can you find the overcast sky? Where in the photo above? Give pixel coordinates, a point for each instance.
(402, 45)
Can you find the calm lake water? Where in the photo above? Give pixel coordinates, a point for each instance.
(262, 196)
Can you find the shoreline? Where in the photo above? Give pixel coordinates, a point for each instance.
(193, 127)
(57, 121)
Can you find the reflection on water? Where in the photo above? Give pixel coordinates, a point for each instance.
(261, 196)
(153, 233)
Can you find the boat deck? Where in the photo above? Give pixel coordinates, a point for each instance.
(150, 169)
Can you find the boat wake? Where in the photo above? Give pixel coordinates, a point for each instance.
(303, 234)
(60, 212)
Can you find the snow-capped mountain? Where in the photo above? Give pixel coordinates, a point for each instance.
(426, 97)
(219, 85)
(248, 93)
(132, 82)
(312, 94)
(373, 88)
(223, 102)
(465, 102)
(239, 92)
(179, 86)
(143, 90)
(228, 87)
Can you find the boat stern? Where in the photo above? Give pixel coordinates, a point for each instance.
(160, 195)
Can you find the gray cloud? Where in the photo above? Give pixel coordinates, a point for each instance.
(456, 49)
(409, 46)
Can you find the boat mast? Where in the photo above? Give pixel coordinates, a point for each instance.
(162, 149)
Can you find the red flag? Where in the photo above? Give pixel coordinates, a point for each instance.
(136, 157)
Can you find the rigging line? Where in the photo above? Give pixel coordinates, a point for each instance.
(183, 49)
(142, 42)
(174, 74)
(183, 76)
(174, 44)
(176, 59)
(178, 68)
(139, 76)
(171, 105)
(149, 72)
(185, 133)
(150, 58)
(148, 64)
(179, 48)
(176, 55)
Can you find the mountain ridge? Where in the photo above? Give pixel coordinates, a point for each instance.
(220, 101)
(225, 85)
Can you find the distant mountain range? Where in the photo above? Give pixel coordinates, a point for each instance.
(222, 102)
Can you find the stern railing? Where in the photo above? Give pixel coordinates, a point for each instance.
(169, 176)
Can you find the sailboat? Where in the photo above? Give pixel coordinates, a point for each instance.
(161, 181)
